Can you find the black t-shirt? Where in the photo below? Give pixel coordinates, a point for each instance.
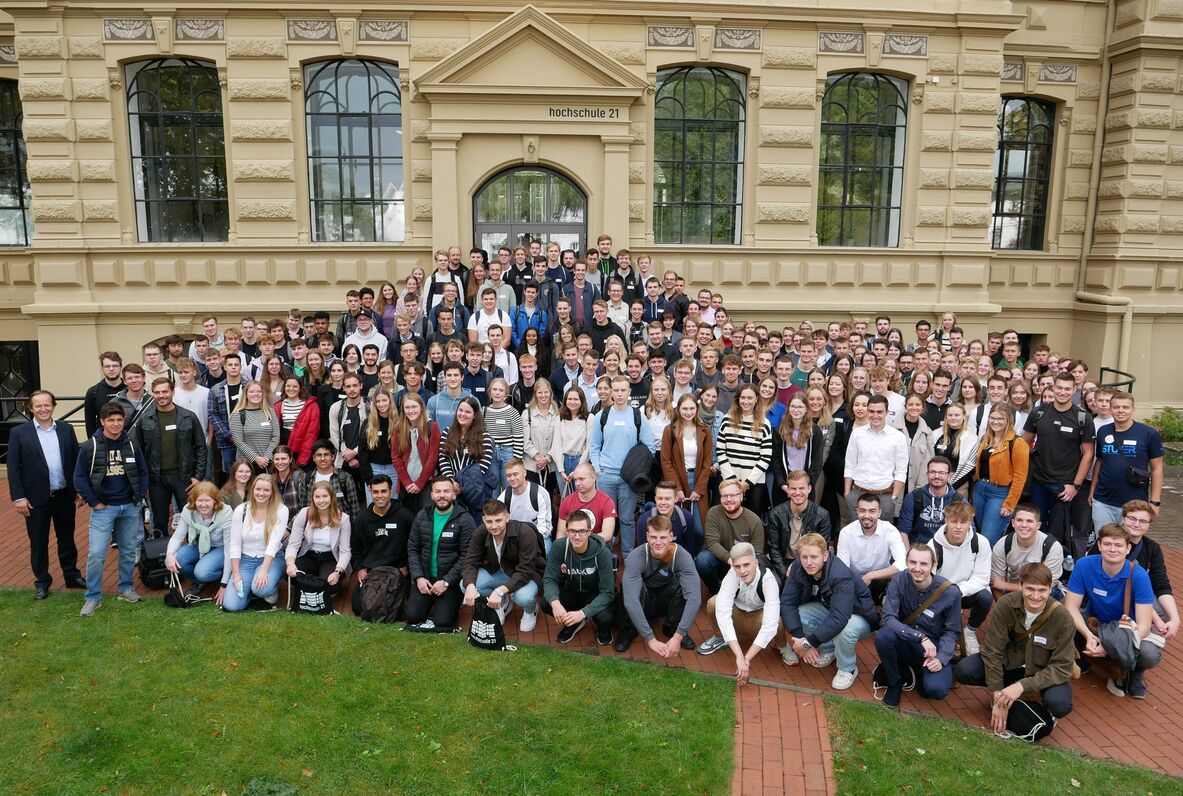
(1059, 436)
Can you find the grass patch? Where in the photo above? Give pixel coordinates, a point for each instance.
(148, 699)
(880, 751)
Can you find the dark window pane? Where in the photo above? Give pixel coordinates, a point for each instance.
(1022, 173)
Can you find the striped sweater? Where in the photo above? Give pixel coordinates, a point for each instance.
(742, 455)
(451, 466)
(504, 426)
(255, 433)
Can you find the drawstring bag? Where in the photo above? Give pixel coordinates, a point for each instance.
(177, 597)
(1029, 721)
(486, 631)
(309, 594)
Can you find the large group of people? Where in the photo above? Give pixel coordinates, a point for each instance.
(575, 433)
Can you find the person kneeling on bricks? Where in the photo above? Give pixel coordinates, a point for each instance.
(505, 561)
(659, 581)
(579, 583)
(1028, 649)
(746, 611)
(319, 542)
(925, 637)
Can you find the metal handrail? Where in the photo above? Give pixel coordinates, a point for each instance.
(15, 410)
(1126, 383)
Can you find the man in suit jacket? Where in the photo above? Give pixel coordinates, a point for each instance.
(41, 458)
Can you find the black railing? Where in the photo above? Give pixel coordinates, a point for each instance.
(15, 410)
(1126, 382)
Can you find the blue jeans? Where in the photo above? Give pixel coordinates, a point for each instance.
(247, 567)
(711, 570)
(526, 596)
(625, 499)
(127, 524)
(988, 500)
(501, 456)
(201, 568)
(570, 462)
(1043, 495)
(843, 644)
(692, 506)
(1104, 514)
(382, 469)
(228, 455)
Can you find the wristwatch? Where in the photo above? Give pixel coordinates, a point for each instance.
(1077, 486)
(806, 645)
(1154, 503)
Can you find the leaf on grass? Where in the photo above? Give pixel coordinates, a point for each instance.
(435, 746)
(233, 663)
(215, 732)
(307, 772)
(94, 681)
(921, 752)
(675, 710)
(329, 680)
(1075, 783)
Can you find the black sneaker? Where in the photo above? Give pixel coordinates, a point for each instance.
(623, 639)
(195, 589)
(603, 636)
(570, 631)
(688, 643)
(892, 697)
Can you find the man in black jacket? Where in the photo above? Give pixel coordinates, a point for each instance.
(825, 610)
(379, 535)
(41, 459)
(440, 536)
(505, 560)
(793, 519)
(107, 388)
(174, 451)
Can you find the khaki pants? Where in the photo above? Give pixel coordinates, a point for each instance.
(747, 625)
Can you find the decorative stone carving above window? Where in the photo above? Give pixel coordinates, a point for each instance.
(8, 53)
(1013, 71)
(128, 30)
(738, 39)
(384, 31)
(840, 42)
(1057, 73)
(200, 30)
(902, 44)
(671, 36)
(312, 30)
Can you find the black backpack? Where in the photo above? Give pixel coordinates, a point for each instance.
(1008, 541)
(531, 488)
(153, 573)
(380, 598)
(766, 565)
(973, 546)
(309, 594)
(1029, 721)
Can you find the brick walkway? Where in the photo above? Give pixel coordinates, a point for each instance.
(782, 741)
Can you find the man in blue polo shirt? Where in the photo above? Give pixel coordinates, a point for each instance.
(1112, 586)
(1128, 465)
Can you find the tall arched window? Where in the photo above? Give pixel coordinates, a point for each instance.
(860, 185)
(355, 150)
(178, 150)
(698, 155)
(1022, 169)
(16, 222)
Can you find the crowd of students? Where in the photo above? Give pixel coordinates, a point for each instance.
(493, 428)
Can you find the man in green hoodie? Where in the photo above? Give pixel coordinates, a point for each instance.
(578, 583)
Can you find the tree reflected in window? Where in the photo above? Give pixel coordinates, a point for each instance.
(1022, 169)
(16, 222)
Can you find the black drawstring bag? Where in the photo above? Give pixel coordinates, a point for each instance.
(309, 594)
(177, 597)
(486, 631)
(1029, 721)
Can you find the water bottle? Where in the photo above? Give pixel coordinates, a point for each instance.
(239, 589)
(1069, 562)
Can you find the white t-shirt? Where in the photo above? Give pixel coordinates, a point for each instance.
(481, 321)
(197, 402)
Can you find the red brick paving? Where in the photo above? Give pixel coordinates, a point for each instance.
(782, 741)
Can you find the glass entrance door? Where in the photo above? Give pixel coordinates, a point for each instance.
(527, 203)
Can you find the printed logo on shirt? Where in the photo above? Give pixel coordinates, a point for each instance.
(115, 463)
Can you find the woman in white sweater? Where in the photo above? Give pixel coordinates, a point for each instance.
(256, 534)
(570, 446)
(540, 423)
(319, 542)
(745, 448)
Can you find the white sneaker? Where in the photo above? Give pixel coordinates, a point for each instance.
(1114, 688)
(529, 620)
(843, 680)
(271, 599)
(824, 659)
(971, 641)
(789, 656)
(504, 609)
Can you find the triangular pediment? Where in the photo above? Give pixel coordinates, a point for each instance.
(529, 43)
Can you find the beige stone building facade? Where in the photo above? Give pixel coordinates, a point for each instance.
(488, 121)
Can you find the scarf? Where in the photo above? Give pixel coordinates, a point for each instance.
(199, 529)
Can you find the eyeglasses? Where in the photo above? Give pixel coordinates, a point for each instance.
(1132, 520)
(582, 532)
(730, 496)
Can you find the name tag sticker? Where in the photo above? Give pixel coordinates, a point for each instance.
(618, 423)
(392, 525)
(265, 424)
(1067, 429)
(344, 422)
(501, 421)
(447, 534)
(928, 612)
(1129, 442)
(1100, 592)
(1040, 640)
(171, 428)
(130, 460)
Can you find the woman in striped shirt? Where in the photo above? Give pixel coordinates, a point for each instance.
(254, 427)
(504, 425)
(745, 449)
(466, 454)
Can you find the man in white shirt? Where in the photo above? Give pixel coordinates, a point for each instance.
(488, 315)
(192, 396)
(209, 327)
(506, 298)
(527, 501)
(876, 461)
(872, 548)
(502, 357)
(366, 334)
(745, 611)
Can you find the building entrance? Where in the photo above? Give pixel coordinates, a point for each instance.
(527, 203)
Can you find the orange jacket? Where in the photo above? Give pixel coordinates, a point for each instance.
(1008, 467)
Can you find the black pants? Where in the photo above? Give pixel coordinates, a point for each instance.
(575, 600)
(756, 500)
(321, 565)
(1057, 698)
(163, 490)
(442, 609)
(979, 604)
(667, 602)
(60, 510)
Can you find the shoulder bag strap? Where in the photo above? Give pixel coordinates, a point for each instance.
(1023, 635)
(924, 606)
(1129, 592)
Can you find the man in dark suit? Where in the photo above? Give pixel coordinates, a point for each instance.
(41, 459)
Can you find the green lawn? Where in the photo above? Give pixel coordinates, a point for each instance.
(148, 699)
(877, 751)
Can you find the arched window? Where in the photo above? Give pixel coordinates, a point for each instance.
(698, 155)
(1022, 169)
(860, 185)
(355, 150)
(178, 150)
(16, 222)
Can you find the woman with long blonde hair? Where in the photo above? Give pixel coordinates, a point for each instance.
(798, 444)
(256, 535)
(999, 473)
(375, 450)
(319, 542)
(254, 427)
